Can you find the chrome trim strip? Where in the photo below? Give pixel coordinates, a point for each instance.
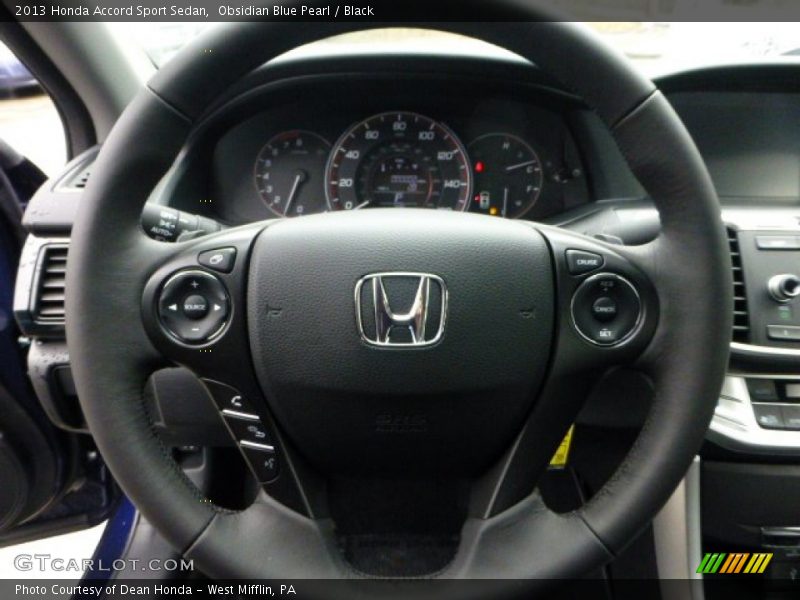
(257, 446)
(781, 376)
(240, 415)
(766, 351)
(791, 531)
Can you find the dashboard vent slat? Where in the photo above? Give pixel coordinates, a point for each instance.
(57, 269)
(51, 281)
(76, 179)
(79, 181)
(741, 317)
(49, 296)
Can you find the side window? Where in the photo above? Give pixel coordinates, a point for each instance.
(29, 121)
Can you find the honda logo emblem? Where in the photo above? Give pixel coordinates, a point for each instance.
(401, 309)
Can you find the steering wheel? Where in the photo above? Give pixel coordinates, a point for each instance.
(498, 354)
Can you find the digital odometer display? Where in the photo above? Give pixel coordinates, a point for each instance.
(398, 159)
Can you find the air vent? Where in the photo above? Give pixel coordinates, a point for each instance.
(80, 180)
(741, 319)
(77, 178)
(49, 300)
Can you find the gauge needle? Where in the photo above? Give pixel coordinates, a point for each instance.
(298, 179)
(362, 205)
(505, 201)
(520, 165)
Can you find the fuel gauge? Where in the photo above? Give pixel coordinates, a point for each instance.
(507, 175)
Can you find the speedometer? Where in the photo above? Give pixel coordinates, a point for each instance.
(398, 159)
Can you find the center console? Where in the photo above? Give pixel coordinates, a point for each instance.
(759, 407)
(746, 489)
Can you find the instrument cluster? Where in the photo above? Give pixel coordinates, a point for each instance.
(398, 159)
(496, 156)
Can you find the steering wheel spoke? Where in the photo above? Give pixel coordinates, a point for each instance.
(606, 313)
(193, 309)
(193, 303)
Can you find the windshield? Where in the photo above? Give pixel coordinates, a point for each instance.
(657, 48)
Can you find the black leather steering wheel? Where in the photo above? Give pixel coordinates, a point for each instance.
(291, 345)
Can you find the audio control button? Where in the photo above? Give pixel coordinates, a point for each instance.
(193, 306)
(784, 288)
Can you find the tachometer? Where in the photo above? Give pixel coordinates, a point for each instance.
(289, 171)
(398, 159)
(507, 173)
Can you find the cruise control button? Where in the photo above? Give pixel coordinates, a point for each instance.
(263, 460)
(604, 309)
(769, 416)
(601, 334)
(580, 261)
(195, 306)
(221, 259)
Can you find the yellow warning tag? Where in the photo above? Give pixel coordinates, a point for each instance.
(559, 460)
